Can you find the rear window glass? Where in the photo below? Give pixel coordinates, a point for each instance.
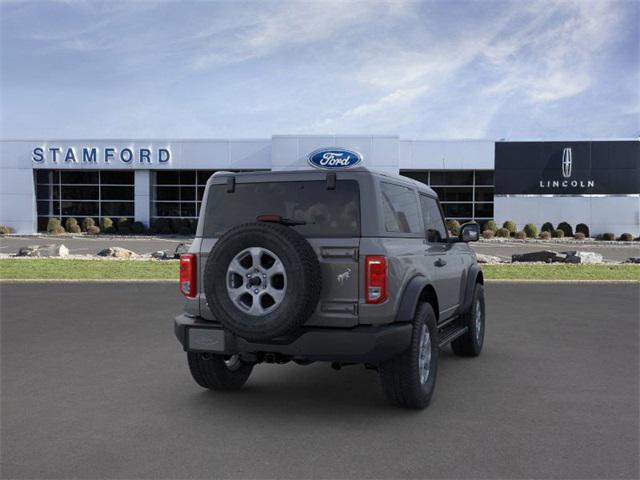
(328, 213)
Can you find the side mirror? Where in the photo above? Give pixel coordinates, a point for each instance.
(469, 232)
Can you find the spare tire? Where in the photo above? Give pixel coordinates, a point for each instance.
(262, 280)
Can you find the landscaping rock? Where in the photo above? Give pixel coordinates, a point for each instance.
(116, 252)
(53, 250)
(632, 260)
(482, 258)
(161, 255)
(180, 249)
(583, 257)
(546, 256)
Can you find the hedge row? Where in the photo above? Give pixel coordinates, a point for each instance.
(563, 229)
(122, 226)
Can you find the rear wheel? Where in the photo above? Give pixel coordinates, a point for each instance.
(218, 372)
(409, 379)
(470, 344)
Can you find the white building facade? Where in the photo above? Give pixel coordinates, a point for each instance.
(592, 182)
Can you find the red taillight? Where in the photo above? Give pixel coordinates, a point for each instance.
(188, 275)
(375, 280)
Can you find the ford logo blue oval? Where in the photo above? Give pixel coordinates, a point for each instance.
(334, 158)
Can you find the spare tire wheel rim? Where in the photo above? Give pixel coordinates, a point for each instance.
(256, 281)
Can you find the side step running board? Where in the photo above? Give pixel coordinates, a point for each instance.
(450, 334)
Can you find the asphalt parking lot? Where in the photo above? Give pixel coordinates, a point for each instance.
(94, 385)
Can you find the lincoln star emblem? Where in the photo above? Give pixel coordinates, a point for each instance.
(567, 160)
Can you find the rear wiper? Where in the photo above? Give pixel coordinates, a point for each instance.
(289, 222)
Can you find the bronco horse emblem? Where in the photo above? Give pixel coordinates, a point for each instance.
(344, 276)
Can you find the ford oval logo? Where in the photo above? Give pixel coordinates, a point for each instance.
(334, 158)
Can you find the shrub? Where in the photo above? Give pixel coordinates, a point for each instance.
(57, 230)
(503, 233)
(579, 236)
(106, 225)
(69, 222)
(557, 233)
(53, 223)
(5, 230)
(607, 236)
(531, 230)
(454, 227)
(521, 235)
(93, 230)
(488, 234)
(491, 225)
(547, 227)
(566, 228)
(88, 222)
(583, 228)
(124, 226)
(74, 229)
(511, 226)
(626, 237)
(161, 226)
(545, 235)
(138, 228)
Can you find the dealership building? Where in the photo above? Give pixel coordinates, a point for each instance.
(596, 182)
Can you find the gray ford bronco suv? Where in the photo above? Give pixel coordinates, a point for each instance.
(349, 266)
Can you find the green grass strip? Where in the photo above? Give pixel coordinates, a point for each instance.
(45, 269)
(61, 269)
(561, 272)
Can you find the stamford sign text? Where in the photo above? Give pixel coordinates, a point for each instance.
(94, 155)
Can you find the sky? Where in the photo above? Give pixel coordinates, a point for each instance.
(420, 70)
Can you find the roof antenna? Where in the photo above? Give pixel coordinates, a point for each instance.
(331, 181)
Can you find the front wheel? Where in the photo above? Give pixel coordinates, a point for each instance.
(218, 372)
(409, 379)
(470, 344)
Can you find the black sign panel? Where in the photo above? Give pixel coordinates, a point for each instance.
(553, 168)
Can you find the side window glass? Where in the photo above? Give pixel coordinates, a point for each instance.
(400, 209)
(435, 231)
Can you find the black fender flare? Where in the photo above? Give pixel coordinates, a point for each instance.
(472, 279)
(410, 297)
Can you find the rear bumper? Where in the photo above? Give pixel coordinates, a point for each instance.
(363, 344)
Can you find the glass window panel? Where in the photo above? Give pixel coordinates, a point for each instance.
(484, 210)
(117, 209)
(42, 224)
(56, 192)
(188, 209)
(201, 193)
(43, 191)
(187, 193)
(42, 176)
(484, 194)
(43, 208)
(168, 193)
(167, 209)
(484, 177)
(448, 177)
(203, 176)
(450, 194)
(457, 210)
(188, 177)
(117, 177)
(74, 177)
(80, 209)
(434, 228)
(168, 177)
(116, 193)
(56, 208)
(400, 207)
(80, 192)
(419, 176)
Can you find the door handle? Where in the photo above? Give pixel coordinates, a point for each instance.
(440, 262)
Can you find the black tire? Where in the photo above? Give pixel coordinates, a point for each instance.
(400, 377)
(211, 371)
(303, 283)
(470, 344)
